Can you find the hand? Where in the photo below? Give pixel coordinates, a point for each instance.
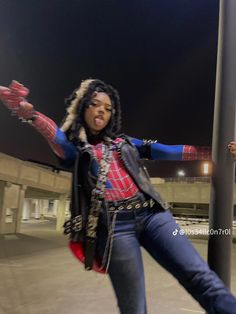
(26, 111)
(232, 148)
(13, 98)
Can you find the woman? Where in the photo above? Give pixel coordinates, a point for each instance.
(114, 208)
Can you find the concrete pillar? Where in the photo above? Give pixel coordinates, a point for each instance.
(44, 207)
(20, 207)
(10, 206)
(37, 214)
(2, 205)
(55, 207)
(67, 207)
(224, 131)
(61, 211)
(27, 205)
(40, 209)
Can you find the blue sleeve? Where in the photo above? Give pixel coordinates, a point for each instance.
(67, 147)
(158, 151)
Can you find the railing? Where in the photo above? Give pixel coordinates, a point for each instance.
(188, 179)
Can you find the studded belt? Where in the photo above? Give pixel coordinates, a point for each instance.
(132, 205)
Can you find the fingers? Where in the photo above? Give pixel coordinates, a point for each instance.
(14, 99)
(8, 98)
(10, 101)
(4, 93)
(4, 90)
(19, 89)
(15, 89)
(12, 96)
(232, 148)
(232, 145)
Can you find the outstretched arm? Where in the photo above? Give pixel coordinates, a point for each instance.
(14, 99)
(157, 151)
(54, 136)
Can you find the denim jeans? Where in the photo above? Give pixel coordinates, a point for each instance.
(156, 232)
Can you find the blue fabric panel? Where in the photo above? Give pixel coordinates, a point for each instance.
(160, 151)
(138, 144)
(68, 148)
(166, 152)
(108, 185)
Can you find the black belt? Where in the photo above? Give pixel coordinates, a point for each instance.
(130, 205)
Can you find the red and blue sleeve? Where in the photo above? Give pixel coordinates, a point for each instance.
(57, 139)
(157, 151)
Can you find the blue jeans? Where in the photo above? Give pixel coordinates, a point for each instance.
(155, 231)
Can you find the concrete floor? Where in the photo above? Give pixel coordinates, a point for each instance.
(38, 275)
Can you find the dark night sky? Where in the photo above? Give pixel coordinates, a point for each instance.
(159, 54)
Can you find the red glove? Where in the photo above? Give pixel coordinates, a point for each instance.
(14, 99)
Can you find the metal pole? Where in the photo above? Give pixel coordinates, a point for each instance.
(221, 205)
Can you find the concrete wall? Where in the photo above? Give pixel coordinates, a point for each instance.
(181, 192)
(25, 173)
(20, 180)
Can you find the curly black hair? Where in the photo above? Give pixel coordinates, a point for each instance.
(114, 125)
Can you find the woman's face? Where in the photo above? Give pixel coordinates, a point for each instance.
(98, 113)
